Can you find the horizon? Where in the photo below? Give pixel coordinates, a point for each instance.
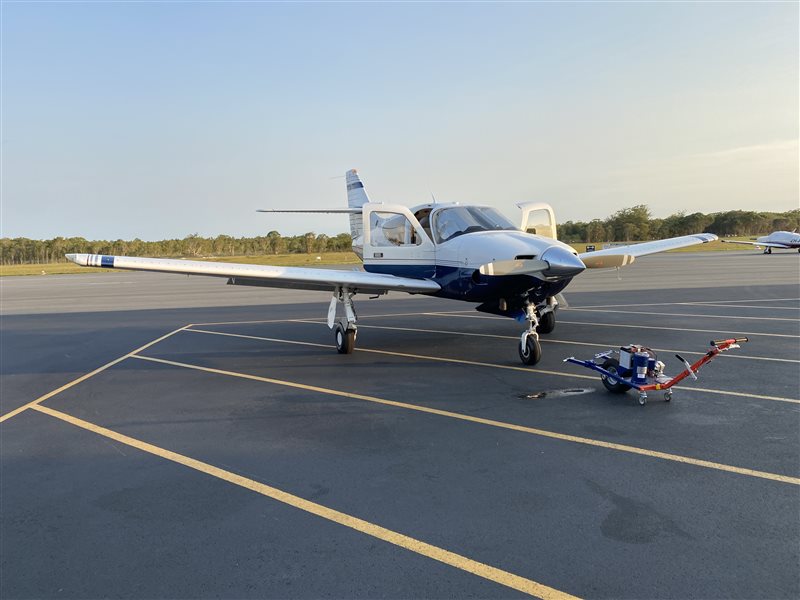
(157, 121)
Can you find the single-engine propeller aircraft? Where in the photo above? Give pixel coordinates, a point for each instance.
(462, 252)
(787, 240)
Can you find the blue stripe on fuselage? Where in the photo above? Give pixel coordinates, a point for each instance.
(107, 262)
(459, 283)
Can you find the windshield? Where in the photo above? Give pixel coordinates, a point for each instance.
(458, 220)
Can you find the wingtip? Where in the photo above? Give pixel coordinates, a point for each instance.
(78, 259)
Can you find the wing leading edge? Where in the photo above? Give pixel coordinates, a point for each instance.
(267, 276)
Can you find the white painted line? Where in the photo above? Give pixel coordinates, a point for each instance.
(663, 314)
(747, 306)
(528, 370)
(722, 331)
(699, 302)
(412, 314)
(550, 341)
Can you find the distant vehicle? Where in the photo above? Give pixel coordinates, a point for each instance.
(787, 240)
(461, 252)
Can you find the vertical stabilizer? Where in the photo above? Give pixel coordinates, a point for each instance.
(356, 198)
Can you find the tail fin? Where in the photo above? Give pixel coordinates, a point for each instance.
(356, 198)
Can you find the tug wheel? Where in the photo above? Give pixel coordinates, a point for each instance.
(547, 322)
(345, 339)
(612, 366)
(530, 352)
(667, 396)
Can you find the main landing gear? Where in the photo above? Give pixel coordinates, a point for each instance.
(344, 330)
(541, 319)
(767, 250)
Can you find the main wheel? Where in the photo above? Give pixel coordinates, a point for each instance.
(345, 339)
(547, 322)
(612, 366)
(531, 352)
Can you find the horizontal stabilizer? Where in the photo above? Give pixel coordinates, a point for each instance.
(762, 244)
(345, 211)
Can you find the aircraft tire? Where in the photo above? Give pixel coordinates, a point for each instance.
(345, 339)
(547, 322)
(531, 353)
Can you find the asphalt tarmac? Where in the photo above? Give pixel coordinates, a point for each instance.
(173, 437)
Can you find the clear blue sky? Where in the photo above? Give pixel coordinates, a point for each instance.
(155, 120)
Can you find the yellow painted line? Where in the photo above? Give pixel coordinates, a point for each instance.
(528, 370)
(661, 314)
(548, 340)
(490, 422)
(452, 559)
(722, 331)
(82, 378)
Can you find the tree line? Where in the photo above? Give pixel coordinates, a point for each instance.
(629, 224)
(637, 224)
(14, 251)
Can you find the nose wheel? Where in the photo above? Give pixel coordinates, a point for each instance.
(530, 350)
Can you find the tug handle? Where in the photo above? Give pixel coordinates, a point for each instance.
(687, 365)
(740, 340)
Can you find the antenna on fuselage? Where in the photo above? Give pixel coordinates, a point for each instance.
(433, 198)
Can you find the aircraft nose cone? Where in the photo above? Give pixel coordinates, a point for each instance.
(562, 263)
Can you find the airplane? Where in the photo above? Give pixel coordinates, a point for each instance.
(777, 239)
(448, 250)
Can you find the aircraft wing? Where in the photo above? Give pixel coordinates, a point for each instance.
(625, 255)
(762, 244)
(263, 275)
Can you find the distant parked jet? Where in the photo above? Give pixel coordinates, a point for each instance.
(777, 239)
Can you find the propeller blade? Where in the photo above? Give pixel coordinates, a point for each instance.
(514, 267)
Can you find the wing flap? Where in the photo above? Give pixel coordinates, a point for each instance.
(264, 275)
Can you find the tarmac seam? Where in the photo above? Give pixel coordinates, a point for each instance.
(479, 420)
(425, 549)
(488, 365)
(89, 375)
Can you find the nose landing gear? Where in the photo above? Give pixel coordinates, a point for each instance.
(530, 349)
